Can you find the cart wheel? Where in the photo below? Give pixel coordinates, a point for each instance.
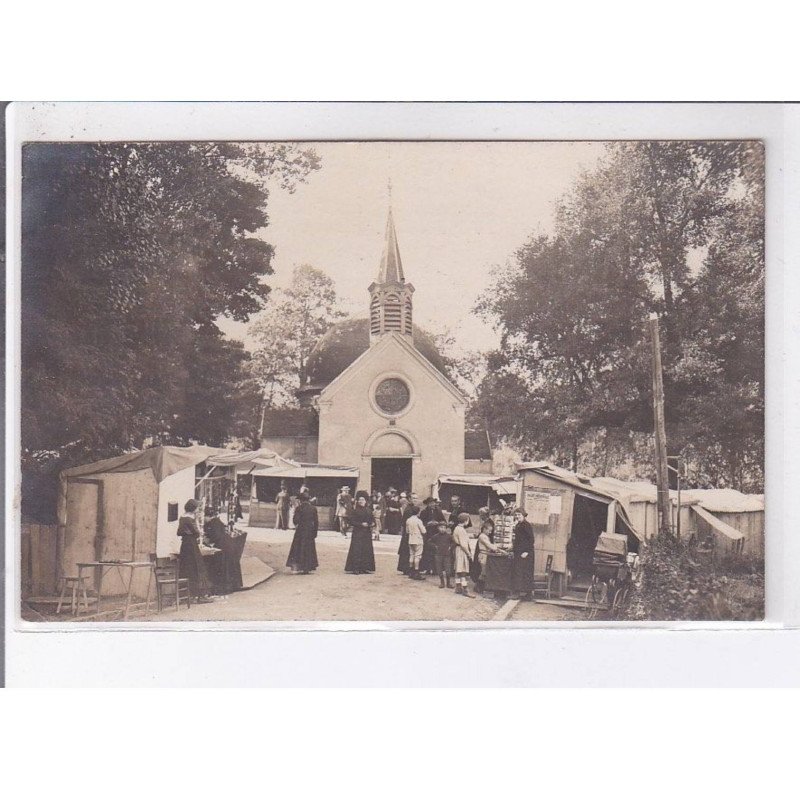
(596, 597)
(620, 599)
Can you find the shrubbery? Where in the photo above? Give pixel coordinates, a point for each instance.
(683, 581)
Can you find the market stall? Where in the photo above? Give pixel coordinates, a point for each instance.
(323, 482)
(494, 492)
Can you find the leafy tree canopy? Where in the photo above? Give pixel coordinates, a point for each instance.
(130, 252)
(670, 227)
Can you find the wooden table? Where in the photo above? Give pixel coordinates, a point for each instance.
(102, 567)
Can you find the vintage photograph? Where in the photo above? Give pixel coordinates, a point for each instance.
(412, 381)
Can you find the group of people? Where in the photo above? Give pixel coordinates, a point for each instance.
(432, 541)
(226, 570)
(435, 542)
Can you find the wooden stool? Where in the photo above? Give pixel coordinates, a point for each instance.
(76, 584)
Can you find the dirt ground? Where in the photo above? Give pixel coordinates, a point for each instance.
(332, 594)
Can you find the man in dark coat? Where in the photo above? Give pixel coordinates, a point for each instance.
(403, 553)
(431, 515)
(522, 566)
(303, 552)
(455, 509)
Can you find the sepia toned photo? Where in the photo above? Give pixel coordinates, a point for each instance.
(406, 381)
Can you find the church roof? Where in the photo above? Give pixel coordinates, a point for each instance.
(290, 422)
(345, 342)
(391, 270)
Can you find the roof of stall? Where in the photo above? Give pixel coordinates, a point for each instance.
(163, 461)
(250, 460)
(294, 470)
(502, 484)
(713, 500)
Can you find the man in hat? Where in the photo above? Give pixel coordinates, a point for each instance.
(522, 566)
(431, 516)
(303, 552)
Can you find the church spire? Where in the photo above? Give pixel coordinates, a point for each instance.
(391, 270)
(390, 309)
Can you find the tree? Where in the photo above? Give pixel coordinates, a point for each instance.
(671, 227)
(131, 251)
(288, 330)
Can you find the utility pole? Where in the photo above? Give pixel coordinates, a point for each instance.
(662, 477)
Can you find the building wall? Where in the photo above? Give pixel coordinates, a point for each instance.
(292, 447)
(120, 506)
(550, 537)
(433, 423)
(478, 466)
(751, 524)
(175, 488)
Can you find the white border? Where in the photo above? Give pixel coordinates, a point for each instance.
(83, 656)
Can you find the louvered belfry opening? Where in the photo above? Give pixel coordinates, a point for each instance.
(390, 309)
(407, 320)
(375, 315)
(392, 320)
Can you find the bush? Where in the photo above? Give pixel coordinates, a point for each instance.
(680, 581)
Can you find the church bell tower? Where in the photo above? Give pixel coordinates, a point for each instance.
(390, 307)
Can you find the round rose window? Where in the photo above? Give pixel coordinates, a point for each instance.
(392, 396)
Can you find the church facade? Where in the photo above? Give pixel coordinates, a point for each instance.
(377, 397)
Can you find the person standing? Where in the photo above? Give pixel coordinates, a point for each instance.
(403, 563)
(190, 559)
(394, 518)
(455, 510)
(344, 508)
(483, 547)
(522, 566)
(303, 552)
(361, 556)
(282, 500)
(486, 522)
(461, 555)
(431, 516)
(415, 533)
(378, 505)
(442, 544)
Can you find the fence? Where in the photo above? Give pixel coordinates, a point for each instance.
(40, 556)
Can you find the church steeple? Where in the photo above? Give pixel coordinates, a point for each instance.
(391, 308)
(391, 270)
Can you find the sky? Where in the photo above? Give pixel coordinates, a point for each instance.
(460, 210)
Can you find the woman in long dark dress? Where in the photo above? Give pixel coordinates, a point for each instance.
(522, 566)
(190, 559)
(361, 556)
(303, 552)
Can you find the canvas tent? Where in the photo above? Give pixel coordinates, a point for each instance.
(127, 507)
(734, 519)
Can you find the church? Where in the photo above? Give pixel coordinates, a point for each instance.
(377, 397)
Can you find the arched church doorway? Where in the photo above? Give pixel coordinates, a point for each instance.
(391, 458)
(394, 472)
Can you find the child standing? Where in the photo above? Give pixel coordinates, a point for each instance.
(415, 530)
(461, 555)
(442, 543)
